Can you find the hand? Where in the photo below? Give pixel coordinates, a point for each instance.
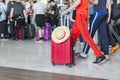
(64, 12)
(108, 19)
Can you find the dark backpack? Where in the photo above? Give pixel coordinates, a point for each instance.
(115, 11)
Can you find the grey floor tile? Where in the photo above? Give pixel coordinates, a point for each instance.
(33, 55)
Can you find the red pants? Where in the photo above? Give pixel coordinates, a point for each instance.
(81, 27)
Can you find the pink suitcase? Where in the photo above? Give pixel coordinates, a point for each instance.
(63, 53)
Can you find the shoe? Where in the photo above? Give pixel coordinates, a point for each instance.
(80, 56)
(107, 57)
(16, 39)
(23, 38)
(39, 39)
(100, 60)
(114, 49)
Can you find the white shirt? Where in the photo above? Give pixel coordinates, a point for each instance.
(39, 7)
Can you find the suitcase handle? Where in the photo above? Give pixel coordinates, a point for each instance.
(64, 20)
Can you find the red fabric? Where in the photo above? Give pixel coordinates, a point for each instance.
(62, 53)
(19, 33)
(81, 27)
(83, 7)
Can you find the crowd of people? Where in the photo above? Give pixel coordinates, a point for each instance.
(22, 12)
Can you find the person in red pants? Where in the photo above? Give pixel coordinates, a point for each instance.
(80, 27)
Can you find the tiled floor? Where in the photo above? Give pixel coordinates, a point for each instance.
(33, 55)
(22, 74)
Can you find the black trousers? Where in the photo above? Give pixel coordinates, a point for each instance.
(2, 27)
(113, 32)
(14, 27)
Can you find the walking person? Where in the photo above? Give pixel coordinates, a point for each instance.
(81, 27)
(100, 18)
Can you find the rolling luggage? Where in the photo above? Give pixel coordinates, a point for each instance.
(47, 31)
(37, 34)
(29, 31)
(63, 53)
(20, 36)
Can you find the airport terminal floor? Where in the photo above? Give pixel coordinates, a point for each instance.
(31, 60)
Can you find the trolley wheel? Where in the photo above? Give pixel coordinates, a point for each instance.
(74, 64)
(69, 65)
(53, 63)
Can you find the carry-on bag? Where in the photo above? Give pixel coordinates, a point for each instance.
(29, 31)
(47, 31)
(20, 36)
(62, 47)
(37, 34)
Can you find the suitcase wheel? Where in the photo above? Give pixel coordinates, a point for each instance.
(53, 63)
(69, 65)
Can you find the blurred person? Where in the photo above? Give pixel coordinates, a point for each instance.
(9, 6)
(54, 14)
(39, 9)
(2, 19)
(81, 27)
(115, 5)
(100, 18)
(18, 14)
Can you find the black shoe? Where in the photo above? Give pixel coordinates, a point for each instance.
(16, 39)
(23, 38)
(41, 38)
(100, 60)
(13, 38)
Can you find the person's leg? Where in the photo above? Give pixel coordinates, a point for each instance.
(3, 29)
(83, 28)
(42, 32)
(97, 18)
(104, 43)
(16, 31)
(0, 30)
(81, 25)
(110, 37)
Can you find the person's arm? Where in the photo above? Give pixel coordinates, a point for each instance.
(109, 11)
(25, 15)
(76, 3)
(11, 13)
(34, 12)
(95, 2)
